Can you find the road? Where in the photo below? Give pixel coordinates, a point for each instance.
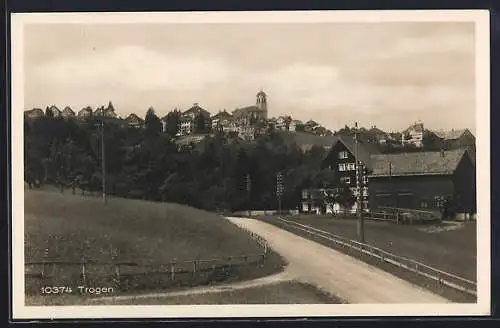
(346, 277)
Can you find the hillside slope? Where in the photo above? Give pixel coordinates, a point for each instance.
(73, 227)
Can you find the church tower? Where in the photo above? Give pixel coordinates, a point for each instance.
(262, 103)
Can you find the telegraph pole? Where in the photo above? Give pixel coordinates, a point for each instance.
(279, 189)
(103, 163)
(249, 189)
(361, 228)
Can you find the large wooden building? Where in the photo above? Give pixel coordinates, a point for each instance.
(341, 160)
(423, 180)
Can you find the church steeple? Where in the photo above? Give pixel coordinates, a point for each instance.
(262, 102)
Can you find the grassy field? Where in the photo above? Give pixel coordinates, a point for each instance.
(281, 293)
(452, 251)
(73, 228)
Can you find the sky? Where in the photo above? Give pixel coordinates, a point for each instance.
(387, 74)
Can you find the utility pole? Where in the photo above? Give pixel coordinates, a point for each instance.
(361, 228)
(249, 189)
(103, 164)
(279, 189)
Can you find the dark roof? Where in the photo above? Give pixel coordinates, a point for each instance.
(450, 135)
(364, 149)
(416, 163)
(245, 109)
(376, 130)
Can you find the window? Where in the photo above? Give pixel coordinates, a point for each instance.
(346, 180)
(423, 204)
(342, 167)
(342, 154)
(365, 180)
(351, 166)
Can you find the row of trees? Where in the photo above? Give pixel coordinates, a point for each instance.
(147, 164)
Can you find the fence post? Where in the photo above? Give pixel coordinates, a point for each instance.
(45, 256)
(172, 270)
(117, 273)
(194, 267)
(83, 271)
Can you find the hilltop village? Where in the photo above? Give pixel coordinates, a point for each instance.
(432, 167)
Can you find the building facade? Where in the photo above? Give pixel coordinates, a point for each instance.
(423, 181)
(85, 113)
(414, 135)
(342, 159)
(68, 112)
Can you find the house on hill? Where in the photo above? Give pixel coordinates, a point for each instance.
(310, 125)
(134, 121)
(222, 121)
(34, 113)
(106, 112)
(54, 110)
(414, 135)
(85, 112)
(68, 112)
(424, 180)
(189, 116)
(454, 139)
(283, 123)
(292, 127)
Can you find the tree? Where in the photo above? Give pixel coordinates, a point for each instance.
(200, 124)
(345, 197)
(172, 123)
(153, 123)
(49, 113)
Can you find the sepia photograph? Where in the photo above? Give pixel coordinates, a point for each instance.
(250, 164)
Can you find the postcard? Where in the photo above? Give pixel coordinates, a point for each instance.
(250, 164)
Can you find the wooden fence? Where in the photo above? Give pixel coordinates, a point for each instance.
(442, 277)
(128, 275)
(403, 215)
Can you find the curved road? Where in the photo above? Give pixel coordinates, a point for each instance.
(346, 277)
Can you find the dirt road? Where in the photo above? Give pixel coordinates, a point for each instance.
(348, 278)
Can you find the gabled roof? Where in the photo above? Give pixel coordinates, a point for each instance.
(364, 149)
(222, 115)
(196, 110)
(450, 135)
(133, 118)
(68, 111)
(86, 109)
(34, 112)
(311, 123)
(375, 130)
(416, 163)
(54, 108)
